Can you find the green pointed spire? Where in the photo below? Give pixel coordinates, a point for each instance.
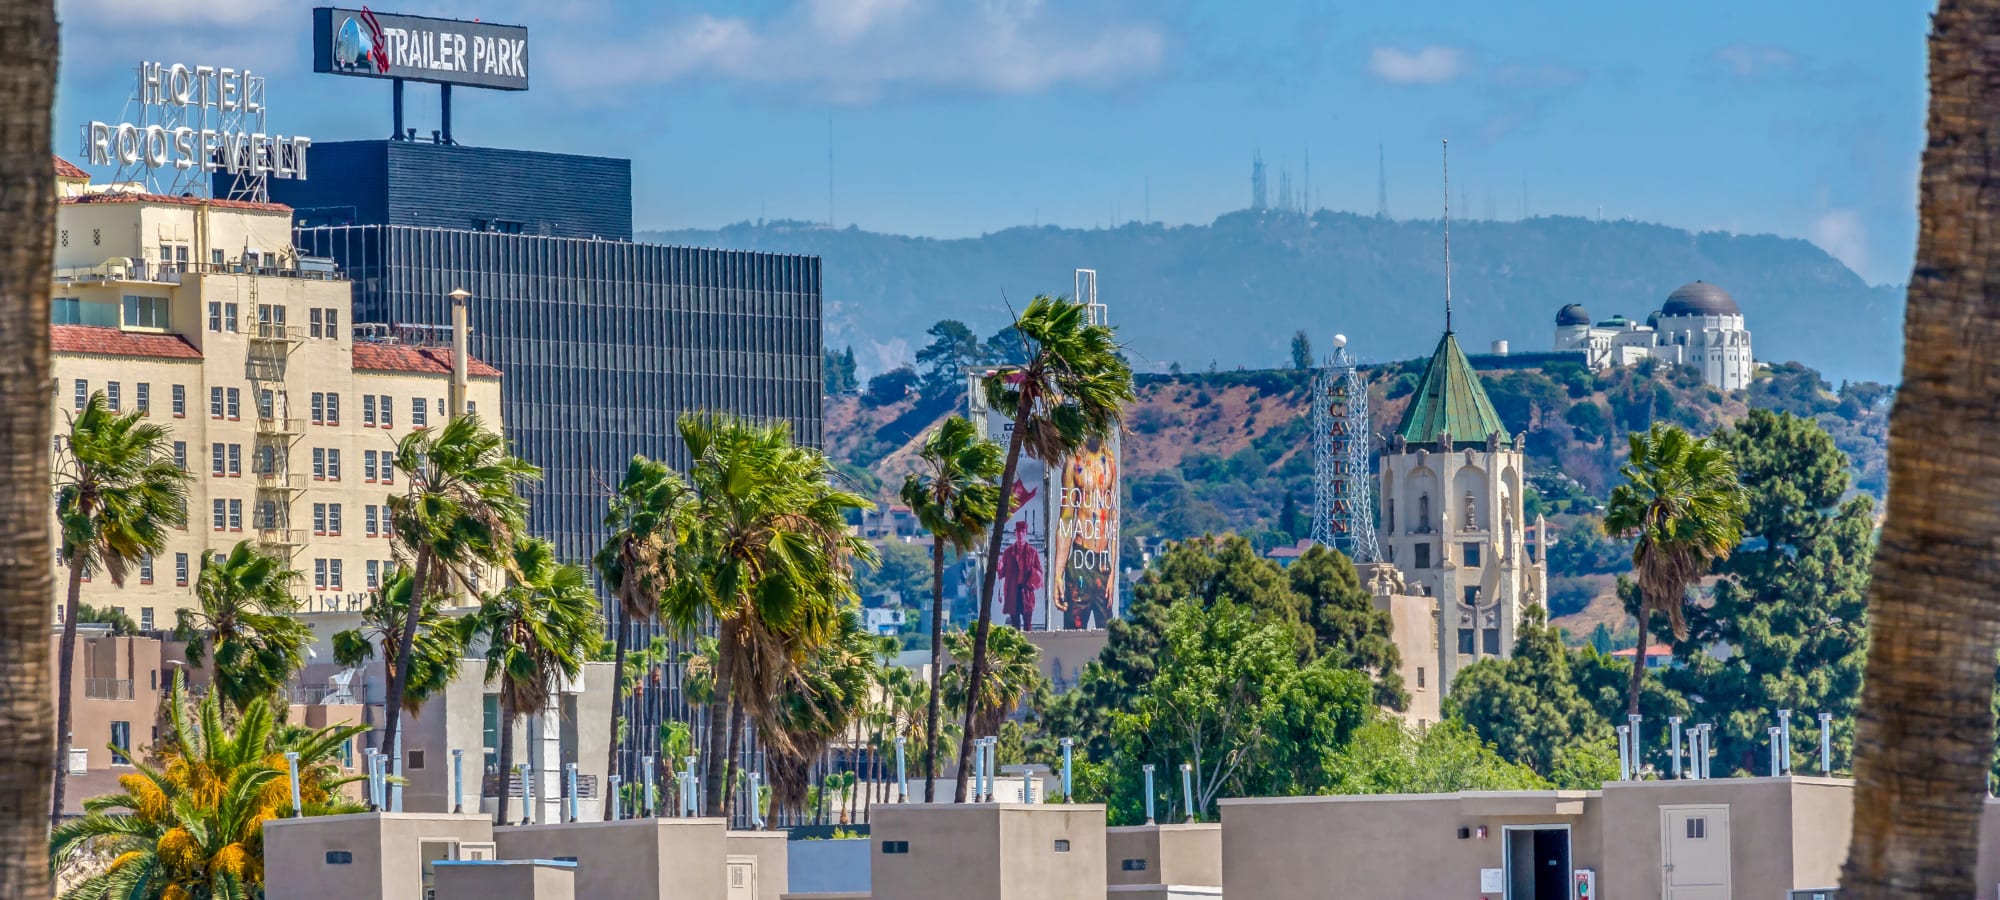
(1450, 399)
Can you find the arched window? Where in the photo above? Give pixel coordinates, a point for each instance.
(1424, 511)
(1389, 512)
(1471, 519)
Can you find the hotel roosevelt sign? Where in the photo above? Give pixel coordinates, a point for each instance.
(368, 44)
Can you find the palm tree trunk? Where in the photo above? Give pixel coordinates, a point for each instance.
(1924, 733)
(65, 668)
(399, 679)
(618, 633)
(992, 567)
(1638, 666)
(937, 669)
(506, 758)
(718, 726)
(728, 808)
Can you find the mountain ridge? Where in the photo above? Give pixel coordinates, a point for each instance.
(1231, 293)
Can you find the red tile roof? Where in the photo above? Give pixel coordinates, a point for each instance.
(405, 358)
(1653, 651)
(98, 340)
(127, 197)
(67, 169)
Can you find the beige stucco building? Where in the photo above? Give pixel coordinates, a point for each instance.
(201, 314)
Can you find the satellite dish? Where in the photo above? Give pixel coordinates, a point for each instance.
(1340, 340)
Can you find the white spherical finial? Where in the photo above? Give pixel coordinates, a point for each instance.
(1340, 340)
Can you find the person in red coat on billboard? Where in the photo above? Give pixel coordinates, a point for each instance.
(1020, 575)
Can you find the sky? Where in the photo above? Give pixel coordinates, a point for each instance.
(951, 119)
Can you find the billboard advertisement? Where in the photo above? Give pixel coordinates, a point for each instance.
(1021, 577)
(1084, 559)
(368, 44)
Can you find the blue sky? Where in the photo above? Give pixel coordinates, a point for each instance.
(957, 118)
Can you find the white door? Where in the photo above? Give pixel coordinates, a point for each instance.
(742, 878)
(1695, 852)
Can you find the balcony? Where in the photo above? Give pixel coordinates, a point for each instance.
(280, 426)
(107, 689)
(281, 537)
(277, 333)
(279, 481)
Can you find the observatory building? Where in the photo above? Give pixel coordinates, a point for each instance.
(1700, 325)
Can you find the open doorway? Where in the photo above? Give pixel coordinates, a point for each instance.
(1537, 862)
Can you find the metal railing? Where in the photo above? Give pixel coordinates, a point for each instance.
(277, 331)
(282, 537)
(107, 689)
(137, 269)
(279, 481)
(586, 785)
(280, 425)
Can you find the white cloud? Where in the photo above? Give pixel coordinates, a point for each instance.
(1842, 235)
(1430, 65)
(855, 51)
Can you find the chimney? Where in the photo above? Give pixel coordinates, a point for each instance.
(460, 333)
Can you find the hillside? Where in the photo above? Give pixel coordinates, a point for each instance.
(1229, 294)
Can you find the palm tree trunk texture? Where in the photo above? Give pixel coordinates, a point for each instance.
(65, 668)
(937, 669)
(399, 680)
(991, 568)
(506, 759)
(718, 726)
(731, 751)
(1638, 666)
(1924, 733)
(618, 634)
(27, 205)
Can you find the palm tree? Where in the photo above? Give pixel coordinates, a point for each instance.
(1070, 390)
(1923, 737)
(823, 699)
(1015, 674)
(646, 518)
(190, 823)
(954, 498)
(460, 514)
(28, 42)
(538, 632)
(440, 643)
(117, 494)
(246, 614)
(1683, 507)
(770, 565)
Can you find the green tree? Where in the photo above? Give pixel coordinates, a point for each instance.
(1388, 757)
(1014, 676)
(246, 617)
(440, 642)
(189, 824)
(1528, 706)
(822, 700)
(1792, 602)
(538, 632)
(1348, 631)
(891, 386)
(1302, 350)
(954, 497)
(942, 363)
(771, 563)
(461, 513)
(121, 624)
(900, 568)
(117, 492)
(840, 372)
(1071, 388)
(647, 516)
(1684, 507)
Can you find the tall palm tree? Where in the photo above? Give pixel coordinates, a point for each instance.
(647, 515)
(824, 698)
(28, 42)
(1071, 389)
(1683, 507)
(118, 492)
(1924, 735)
(771, 565)
(246, 617)
(460, 514)
(189, 823)
(1015, 674)
(433, 660)
(954, 497)
(538, 633)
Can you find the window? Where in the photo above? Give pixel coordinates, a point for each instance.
(235, 515)
(332, 409)
(145, 618)
(121, 743)
(112, 395)
(388, 415)
(1472, 596)
(374, 574)
(895, 847)
(267, 404)
(318, 408)
(319, 518)
(1132, 865)
(215, 315)
(420, 416)
(489, 729)
(388, 468)
(229, 317)
(268, 515)
(333, 324)
(145, 568)
(416, 757)
(368, 410)
(1472, 553)
(333, 464)
(333, 519)
(235, 404)
(1465, 642)
(1490, 641)
(217, 455)
(319, 464)
(66, 310)
(142, 398)
(314, 320)
(319, 574)
(471, 408)
(146, 312)
(215, 403)
(221, 515)
(180, 570)
(337, 857)
(1420, 678)
(1697, 827)
(333, 573)
(180, 401)
(1062, 845)
(236, 460)
(82, 393)
(1423, 560)
(373, 524)
(368, 466)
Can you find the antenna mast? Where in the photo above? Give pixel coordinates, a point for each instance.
(1447, 236)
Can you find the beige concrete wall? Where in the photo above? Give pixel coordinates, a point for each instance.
(771, 850)
(506, 880)
(989, 852)
(1761, 815)
(634, 859)
(115, 679)
(1822, 828)
(1173, 854)
(387, 853)
(1065, 653)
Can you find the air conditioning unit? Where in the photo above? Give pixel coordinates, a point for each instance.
(1814, 894)
(79, 760)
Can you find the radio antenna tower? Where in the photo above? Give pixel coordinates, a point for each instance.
(1343, 513)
